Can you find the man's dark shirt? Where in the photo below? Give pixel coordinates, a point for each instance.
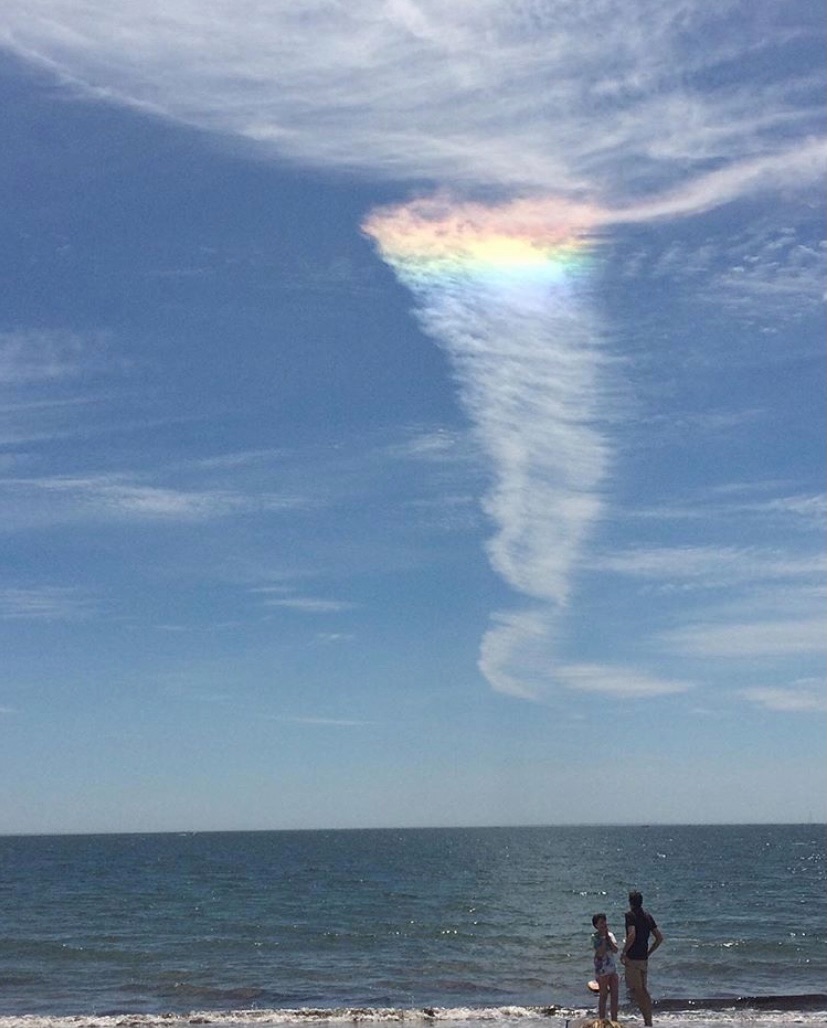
(643, 924)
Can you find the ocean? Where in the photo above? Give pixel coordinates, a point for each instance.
(461, 926)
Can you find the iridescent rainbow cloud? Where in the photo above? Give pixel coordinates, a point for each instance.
(503, 288)
(534, 239)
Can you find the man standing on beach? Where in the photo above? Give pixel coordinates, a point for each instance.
(636, 952)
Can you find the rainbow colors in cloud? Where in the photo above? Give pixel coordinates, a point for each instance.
(531, 239)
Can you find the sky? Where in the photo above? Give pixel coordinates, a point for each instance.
(411, 413)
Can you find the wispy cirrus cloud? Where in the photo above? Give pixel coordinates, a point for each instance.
(436, 446)
(284, 595)
(713, 566)
(782, 275)
(518, 95)
(107, 497)
(768, 273)
(801, 512)
(724, 636)
(122, 496)
(31, 356)
(620, 682)
(45, 603)
(750, 601)
(800, 697)
(308, 604)
(320, 722)
(730, 605)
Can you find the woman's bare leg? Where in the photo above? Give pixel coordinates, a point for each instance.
(603, 982)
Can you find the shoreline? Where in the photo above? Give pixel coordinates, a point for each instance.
(809, 1009)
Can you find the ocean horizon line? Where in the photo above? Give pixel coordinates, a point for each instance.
(179, 832)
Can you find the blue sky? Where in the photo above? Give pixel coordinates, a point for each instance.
(297, 530)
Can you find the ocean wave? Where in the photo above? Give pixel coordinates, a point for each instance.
(810, 1010)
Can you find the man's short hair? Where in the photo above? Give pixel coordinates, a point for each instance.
(636, 900)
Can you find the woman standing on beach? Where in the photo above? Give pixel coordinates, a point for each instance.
(605, 971)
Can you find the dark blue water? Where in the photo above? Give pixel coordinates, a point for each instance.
(470, 918)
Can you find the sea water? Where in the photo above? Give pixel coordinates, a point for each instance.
(452, 925)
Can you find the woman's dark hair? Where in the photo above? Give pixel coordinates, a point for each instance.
(635, 900)
(597, 917)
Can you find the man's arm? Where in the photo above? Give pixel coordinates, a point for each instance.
(658, 940)
(627, 942)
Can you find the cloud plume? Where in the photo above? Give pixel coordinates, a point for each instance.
(505, 290)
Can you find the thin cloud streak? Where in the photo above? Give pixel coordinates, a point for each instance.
(322, 722)
(129, 497)
(801, 511)
(45, 603)
(768, 638)
(797, 166)
(768, 603)
(620, 682)
(310, 604)
(106, 497)
(791, 700)
(712, 567)
(37, 356)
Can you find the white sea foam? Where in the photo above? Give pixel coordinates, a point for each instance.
(452, 1017)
